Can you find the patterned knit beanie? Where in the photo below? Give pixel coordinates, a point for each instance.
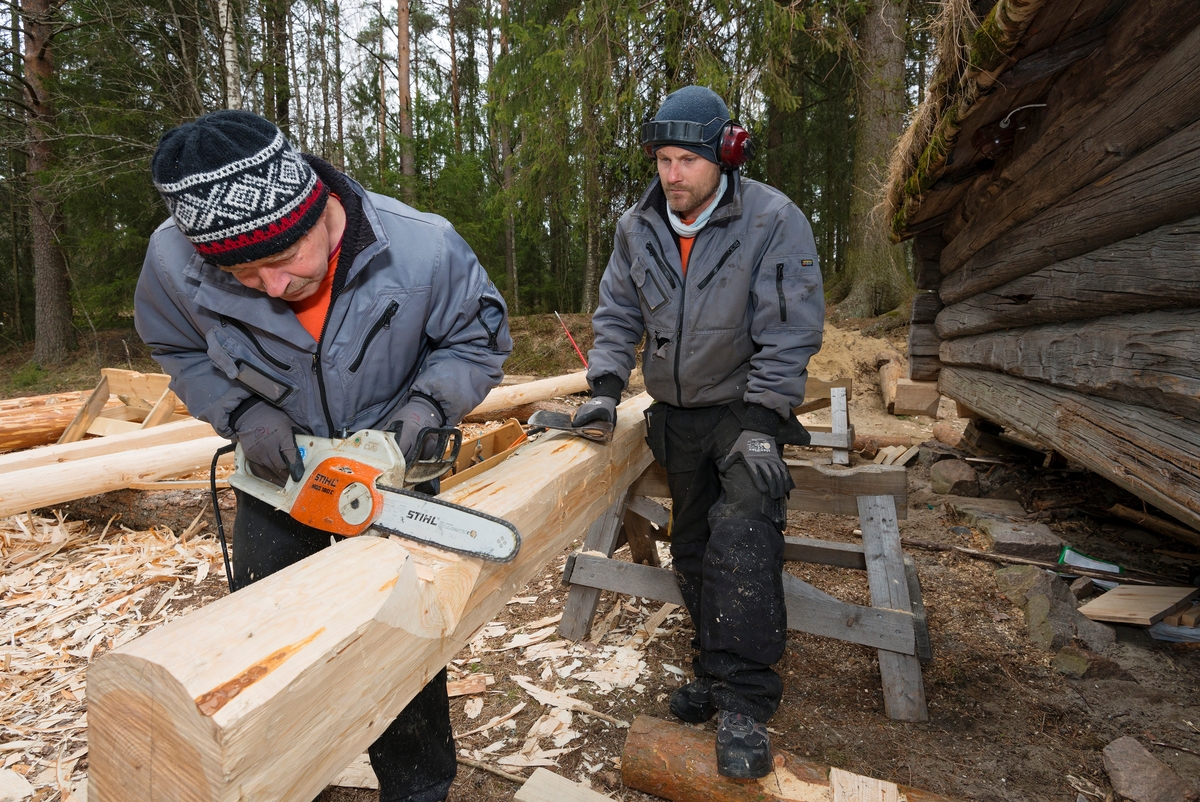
(697, 104)
(235, 186)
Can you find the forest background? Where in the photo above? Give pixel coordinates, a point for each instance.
(517, 120)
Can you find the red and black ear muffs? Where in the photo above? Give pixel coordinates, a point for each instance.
(734, 145)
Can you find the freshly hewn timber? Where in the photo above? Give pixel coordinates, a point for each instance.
(679, 763)
(267, 693)
(1152, 454)
(1153, 271)
(86, 414)
(516, 395)
(176, 432)
(916, 398)
(31, 488)
(1159, 186)
(1164, 100)
(819, 488)
(1148, 359)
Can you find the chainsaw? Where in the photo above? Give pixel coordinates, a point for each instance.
(360, 485)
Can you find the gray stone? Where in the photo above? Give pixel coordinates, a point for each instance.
(1049, 623)
(1022, 582)
(1098, 637)
(1022, 539)
(954, 477)
(1051, 617)
(1140, 776)
(1072, 662)
(1083, 587)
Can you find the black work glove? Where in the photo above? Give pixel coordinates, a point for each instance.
(599, 408)
(409, 421)
(761, 455)
(268, 439)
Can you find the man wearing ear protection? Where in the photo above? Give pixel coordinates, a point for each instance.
(719, 274)
(282, 296)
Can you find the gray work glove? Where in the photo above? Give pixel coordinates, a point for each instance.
(761, 455)
(409, 421)
(599, 408)
(268, 439)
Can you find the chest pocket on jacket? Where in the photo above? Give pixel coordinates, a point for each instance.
(648, 288)
(797, 277)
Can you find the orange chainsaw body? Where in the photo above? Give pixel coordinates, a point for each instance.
(339, 497)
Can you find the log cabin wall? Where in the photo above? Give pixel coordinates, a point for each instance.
(1062, 272)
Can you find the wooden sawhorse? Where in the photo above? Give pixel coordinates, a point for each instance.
(895, 623)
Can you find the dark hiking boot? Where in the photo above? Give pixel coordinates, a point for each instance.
(743, 747)
(693, 702)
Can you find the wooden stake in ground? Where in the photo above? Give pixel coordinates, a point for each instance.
(680, 764)
(268, 693)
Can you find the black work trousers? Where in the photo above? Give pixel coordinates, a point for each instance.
(727, 551)
(414, 757)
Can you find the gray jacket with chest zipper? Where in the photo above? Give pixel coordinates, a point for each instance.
(414, 314)
(741, 326)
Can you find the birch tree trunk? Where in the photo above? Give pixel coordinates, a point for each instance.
(54, 336)
(875, 280)
(229, 56)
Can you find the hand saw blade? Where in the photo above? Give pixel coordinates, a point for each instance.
(446, 526)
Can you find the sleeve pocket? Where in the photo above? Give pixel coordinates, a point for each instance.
(796, 279)
(647, 286)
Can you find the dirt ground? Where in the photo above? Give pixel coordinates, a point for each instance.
(1003, 724)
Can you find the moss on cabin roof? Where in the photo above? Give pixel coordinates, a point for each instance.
(971, 55)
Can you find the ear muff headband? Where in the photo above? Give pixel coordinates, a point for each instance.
(734, 144)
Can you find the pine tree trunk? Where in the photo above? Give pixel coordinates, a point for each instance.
(408, 162)
(229, 56)
(277, 13)
(506, 158)
(455, 96)
(876, 280)
(54, 337)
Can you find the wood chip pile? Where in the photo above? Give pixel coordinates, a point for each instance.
(67, 594)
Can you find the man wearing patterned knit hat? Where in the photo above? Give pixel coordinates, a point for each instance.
(282, 297)
(719, 275)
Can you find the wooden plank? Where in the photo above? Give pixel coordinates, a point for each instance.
(650, 510)
(580, 607)
(86, 414)
(177, 432)
(679, 762)
(501, 398)
(639, 534)
(162, 410)
(819, 488)
(916, 398)
(849, 787)
(507, 439)
(1147, 359)
(286, 654)
(1164, 100)
(843, 435)
(107, 427)
(817, 393)
(546, 786)
(134, 384)
(824, 552)
(1159, 186)
(920, 622)
(809, 610)
(1141, 605)
(1152, 454)
(46, 485)
(903, 687)
(1141, 274)
(1190, 617)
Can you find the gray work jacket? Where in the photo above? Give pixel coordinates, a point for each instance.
(416, 314)
(743, 323)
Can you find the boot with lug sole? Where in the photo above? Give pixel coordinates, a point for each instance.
(693, 702)
(743, 747)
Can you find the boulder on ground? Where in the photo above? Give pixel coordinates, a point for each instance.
(1021, 539)
(1140, 776)
(1051, 617)
(954, 477)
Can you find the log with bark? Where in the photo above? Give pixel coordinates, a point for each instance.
(267, 693)
(1157, 187)
(1140, 274)
(516, 395)
(1147, 359)
(1152, 454)
(679, 763)
(36, 424)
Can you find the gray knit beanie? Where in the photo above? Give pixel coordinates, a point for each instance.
(697, 104)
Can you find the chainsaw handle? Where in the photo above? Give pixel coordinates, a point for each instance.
(244, 479)
(424, 470)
